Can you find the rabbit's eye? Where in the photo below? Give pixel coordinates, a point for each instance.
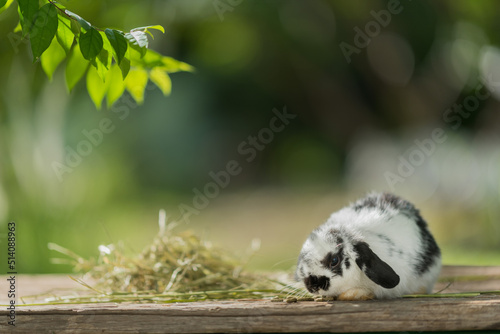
(332, 261)
(335, 261)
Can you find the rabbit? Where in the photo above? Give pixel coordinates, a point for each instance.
(376, 248)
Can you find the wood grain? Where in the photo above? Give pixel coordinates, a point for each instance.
(242, 316)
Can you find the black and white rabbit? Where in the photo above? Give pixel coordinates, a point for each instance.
(378, 247)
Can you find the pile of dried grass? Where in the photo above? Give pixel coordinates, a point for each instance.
(174, 265)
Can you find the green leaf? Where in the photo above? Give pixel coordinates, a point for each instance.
(83, 23)
(146, 29)
(90, 44)
(103, 63)
(18, 27)
(64, 34)
(27, 8)
(138, 41)
(157, 27)
(115, 83)
(75, 67)
(135, 53)
(161, 79)
(96, 87)
(43, 29)
(138, 38)
(118, 42)
(4, 5)
(136, 82)
(76, 28)
(153, 59)
(172, 65)
(125, 67)
(52, 57)
(103, 60)
(106, 44)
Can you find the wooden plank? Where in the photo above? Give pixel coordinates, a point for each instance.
(468, 278)
(422, 314)
(480, 313)
(456, 271)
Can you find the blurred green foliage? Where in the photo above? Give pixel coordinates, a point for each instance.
(355, 120)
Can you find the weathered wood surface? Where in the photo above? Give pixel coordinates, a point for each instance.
(422, 314)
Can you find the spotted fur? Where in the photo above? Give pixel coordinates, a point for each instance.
(384, 246)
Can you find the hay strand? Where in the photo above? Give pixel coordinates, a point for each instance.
(174, 267)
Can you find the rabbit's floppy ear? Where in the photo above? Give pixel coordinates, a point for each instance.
(376, 269)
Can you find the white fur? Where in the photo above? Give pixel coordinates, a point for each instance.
(390, 234)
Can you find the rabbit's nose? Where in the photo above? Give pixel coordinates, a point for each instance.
(314, 283)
